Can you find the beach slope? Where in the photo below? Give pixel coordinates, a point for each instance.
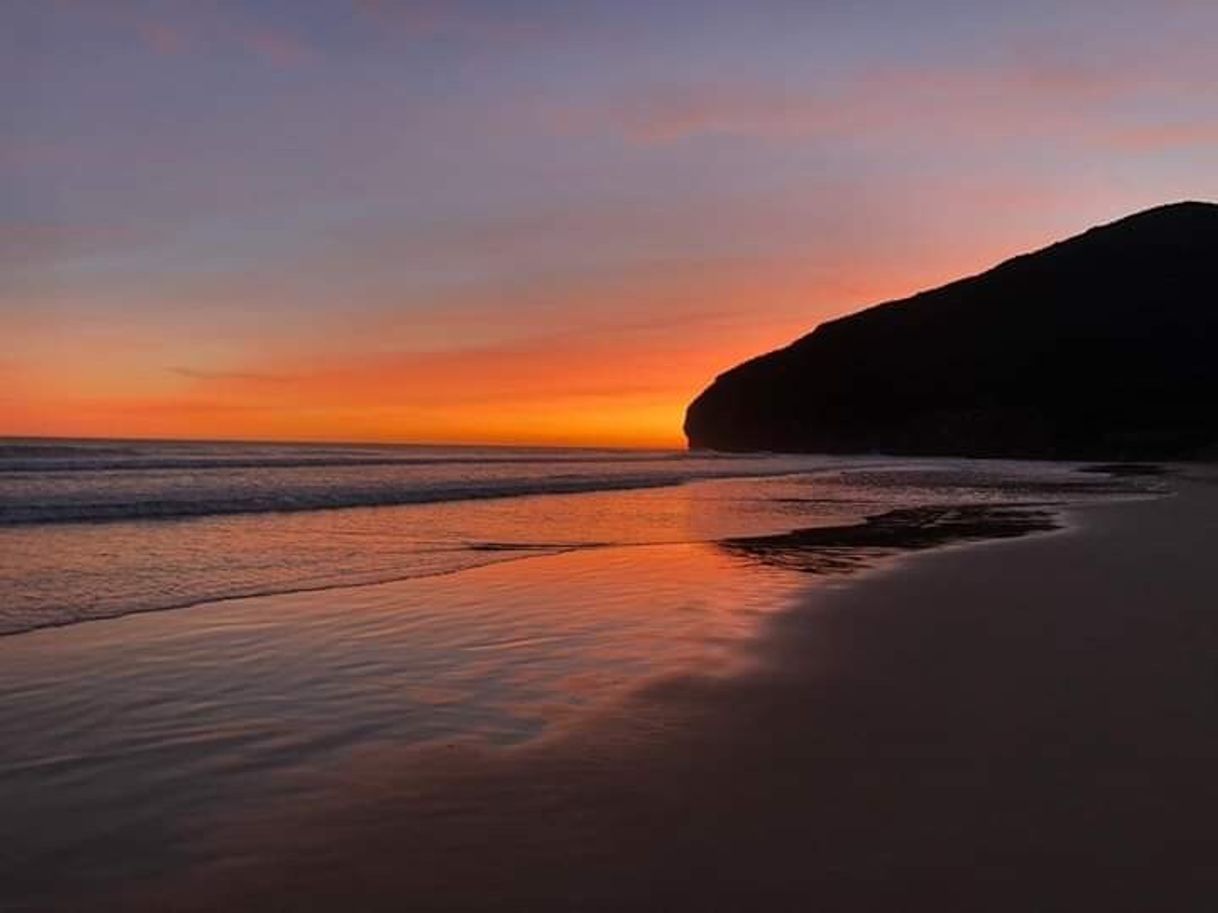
(1017, 725)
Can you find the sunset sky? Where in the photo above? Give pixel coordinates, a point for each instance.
(534, 222)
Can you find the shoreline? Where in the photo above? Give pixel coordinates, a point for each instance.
(895, 531)
(1010, 728)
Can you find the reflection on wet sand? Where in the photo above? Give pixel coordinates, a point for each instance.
(243, 735)
(998, 729)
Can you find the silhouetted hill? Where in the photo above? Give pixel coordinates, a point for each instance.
(1104, 345)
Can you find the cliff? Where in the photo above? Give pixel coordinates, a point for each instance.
(1101, 346)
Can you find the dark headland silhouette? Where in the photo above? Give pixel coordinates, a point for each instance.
(1101, 346)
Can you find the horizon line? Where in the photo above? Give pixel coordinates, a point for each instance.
(333, 442)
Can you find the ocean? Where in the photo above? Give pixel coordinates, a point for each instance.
(100, 529)
(197, 631)
(97, 529)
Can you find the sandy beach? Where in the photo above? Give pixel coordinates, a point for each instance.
(1018, 725)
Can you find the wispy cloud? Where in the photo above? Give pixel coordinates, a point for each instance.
(1029, 94)
(278, 48)
(253, 377)
(161, 38)
(496, 23)
(34, 243)
(175, 29)
(1162, 137)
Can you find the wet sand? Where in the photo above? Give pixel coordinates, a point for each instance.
(1020, 725)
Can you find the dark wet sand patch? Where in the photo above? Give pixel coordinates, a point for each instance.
(845, 549)
(1127, 470)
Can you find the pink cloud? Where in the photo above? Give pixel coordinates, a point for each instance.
(276, 48)
(163, 39)
(1030, 93)
(33, 153)
(28, 241)
(1160, 137)
(448, 19)
(199, 27)
(670, 114)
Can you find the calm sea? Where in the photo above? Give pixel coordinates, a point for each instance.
(94, 529)
(334, 604)
(98, 529)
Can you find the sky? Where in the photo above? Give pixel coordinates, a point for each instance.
(532, 221)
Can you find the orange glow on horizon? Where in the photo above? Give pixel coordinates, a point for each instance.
(558, 247)
(619, 372)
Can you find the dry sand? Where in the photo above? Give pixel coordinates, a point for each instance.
(1024, 725)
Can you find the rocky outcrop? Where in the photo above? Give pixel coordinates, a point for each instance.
(1101, 346)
